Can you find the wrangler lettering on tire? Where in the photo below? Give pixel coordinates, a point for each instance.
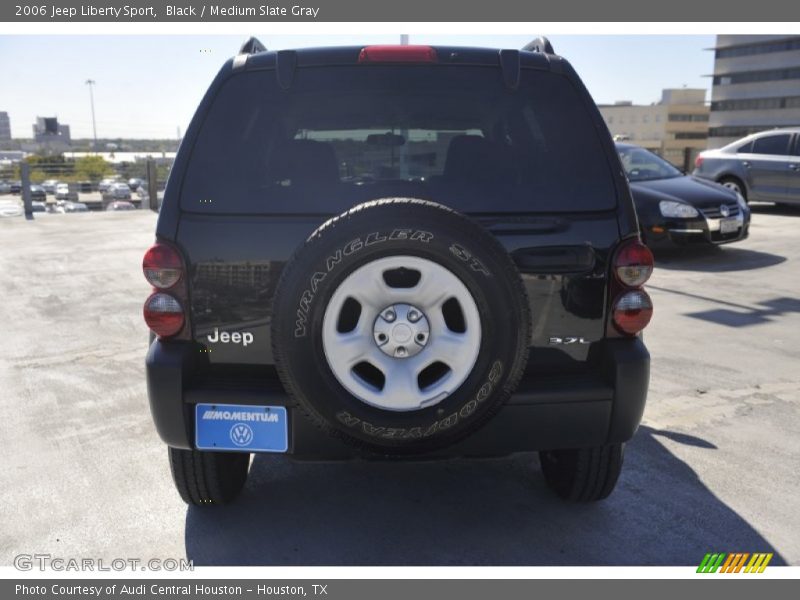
(400, 326)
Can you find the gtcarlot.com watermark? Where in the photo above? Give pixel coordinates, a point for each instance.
(44, 562)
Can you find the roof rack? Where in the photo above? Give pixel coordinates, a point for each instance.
(252, 46)
(539, 44)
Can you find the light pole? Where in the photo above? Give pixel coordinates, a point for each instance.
(91, 83)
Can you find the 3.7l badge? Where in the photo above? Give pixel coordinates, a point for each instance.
(567, 340)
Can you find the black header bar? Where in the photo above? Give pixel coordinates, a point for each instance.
(260, 11)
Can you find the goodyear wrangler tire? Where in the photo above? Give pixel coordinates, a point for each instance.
(400, 326)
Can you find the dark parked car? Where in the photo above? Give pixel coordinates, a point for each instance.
(674, 208)
(38, 193)
(385, 251)
(763, 167)
(16, 187)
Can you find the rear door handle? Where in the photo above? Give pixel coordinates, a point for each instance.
(794, 167)
(746, 164)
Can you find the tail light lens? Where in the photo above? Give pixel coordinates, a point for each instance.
(397, 54)
(632, 308)
(163, 314)
(633, 264)
(164, 311)
(162, 266)
(632, 312)
(698, 162)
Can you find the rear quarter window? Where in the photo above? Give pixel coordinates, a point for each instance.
(772, 144)
(343, 135)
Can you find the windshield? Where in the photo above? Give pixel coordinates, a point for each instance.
(344, 135)
(643, 165)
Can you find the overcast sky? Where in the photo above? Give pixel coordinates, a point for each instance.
(149, 85)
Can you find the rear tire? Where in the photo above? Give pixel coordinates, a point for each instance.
(582, 475)
(732, 183)
(207, 478)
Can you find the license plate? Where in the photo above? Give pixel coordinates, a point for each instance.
(241, 428)
(728, 225)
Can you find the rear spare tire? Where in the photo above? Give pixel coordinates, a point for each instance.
(400, 326)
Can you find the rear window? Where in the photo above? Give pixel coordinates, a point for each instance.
(343, 135)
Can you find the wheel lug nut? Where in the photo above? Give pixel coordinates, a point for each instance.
(401, 351)
(389, 315)
(413, 316)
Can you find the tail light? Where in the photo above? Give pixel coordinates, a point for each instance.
(162, 266)
(632, 311)
(165, 309)
(632, 307)
(698, 162)
(397, 54)
(163, 314)
(633, 264)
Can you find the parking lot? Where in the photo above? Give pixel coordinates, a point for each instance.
(712, 469)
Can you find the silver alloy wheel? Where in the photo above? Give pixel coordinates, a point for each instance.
(435, 321)
(732, 185)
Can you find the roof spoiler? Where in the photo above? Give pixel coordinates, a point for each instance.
(539, 44)
(251, 46)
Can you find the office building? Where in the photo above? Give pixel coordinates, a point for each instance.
(5, 127)
(50, 134)
(756, 86)
(668, 127)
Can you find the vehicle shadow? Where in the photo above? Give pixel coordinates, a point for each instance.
(766, 208)
(714, 259)
(734, 314)
(766, 311)
(459, 512)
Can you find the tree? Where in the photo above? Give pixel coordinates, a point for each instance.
(92, 168)
(47, 166)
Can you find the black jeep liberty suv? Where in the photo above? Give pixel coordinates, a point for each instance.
(397, 251)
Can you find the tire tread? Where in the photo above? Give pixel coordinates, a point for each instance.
(204, 478)
(583, 475)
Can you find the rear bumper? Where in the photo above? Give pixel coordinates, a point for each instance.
(603, 407)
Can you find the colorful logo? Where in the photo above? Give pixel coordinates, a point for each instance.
(735, 562)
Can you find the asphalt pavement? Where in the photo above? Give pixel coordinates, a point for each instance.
(713, 468)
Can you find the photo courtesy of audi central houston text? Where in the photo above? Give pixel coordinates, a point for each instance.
(402, 299)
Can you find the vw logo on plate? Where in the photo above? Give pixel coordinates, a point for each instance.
(241, 434)
(724, 210)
